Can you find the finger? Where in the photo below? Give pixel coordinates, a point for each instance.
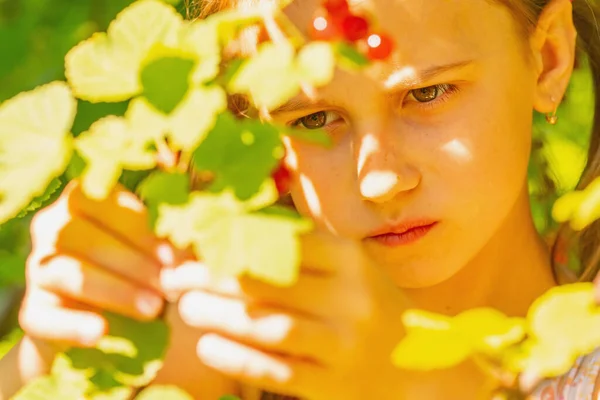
(125, 216)
(86, 241)
(279, 374)
(312, 294)
(264, 327)
(43, 317)
(89, 284)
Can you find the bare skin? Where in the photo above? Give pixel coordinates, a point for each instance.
(459, 160)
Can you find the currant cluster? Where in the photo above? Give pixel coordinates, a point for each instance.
(335, 21)
(282, 178)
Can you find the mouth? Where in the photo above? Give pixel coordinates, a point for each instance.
(402, 234)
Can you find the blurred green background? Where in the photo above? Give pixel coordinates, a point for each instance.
(35, 35)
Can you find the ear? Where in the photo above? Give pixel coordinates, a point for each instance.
(553, 48)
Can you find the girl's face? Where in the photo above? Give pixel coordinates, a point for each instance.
(440, 134)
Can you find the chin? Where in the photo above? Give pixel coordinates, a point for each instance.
(419, 275)
(419, 270)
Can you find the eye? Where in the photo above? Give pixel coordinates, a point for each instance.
(317, 120)
(433, 94)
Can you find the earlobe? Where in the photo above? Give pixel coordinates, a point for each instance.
(554, 46)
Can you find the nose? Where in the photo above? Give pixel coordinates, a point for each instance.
(383, 173)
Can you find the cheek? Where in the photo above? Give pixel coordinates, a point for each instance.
(323, 186)
(486, 161)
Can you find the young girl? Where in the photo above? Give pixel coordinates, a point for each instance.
(422, 202)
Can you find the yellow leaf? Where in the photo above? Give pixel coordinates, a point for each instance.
(488, 329)
(316, 63)
(35, 144)
(428, 349)
(106, 67)
(269, 78)
(188, 124)
(110, 145)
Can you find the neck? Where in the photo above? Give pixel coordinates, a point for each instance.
(508, 273)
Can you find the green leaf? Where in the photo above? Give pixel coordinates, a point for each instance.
(163, 392)
(164, 188)
(166, 94)
(229, 397)
(43, 199)
(128, 357)
(75, 167)
(111, 145)
(88, 113)
(137, 349)
(132, 179)
(350, 58)
(233, 241)
(35, 145)
(9, 340)
(316, 63)
(49, 388)
(188, 124)
(242, 154)
(106, 67)
(269, 77)
(315, 136)
(12, 268)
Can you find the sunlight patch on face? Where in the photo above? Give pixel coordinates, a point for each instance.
(458, 150)
(311, 196)
(369, 145)
(402, 76)
(378, 183)
(291, 160)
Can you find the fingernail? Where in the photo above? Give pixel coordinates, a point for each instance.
(148, 303)
(167, 278)
(92, 331)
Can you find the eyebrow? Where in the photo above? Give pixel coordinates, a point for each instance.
(405, 76)
(300, 102)
(401, 77)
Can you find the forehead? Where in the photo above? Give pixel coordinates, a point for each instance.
(422, 29)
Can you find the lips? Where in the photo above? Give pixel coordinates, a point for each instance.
(403, 233)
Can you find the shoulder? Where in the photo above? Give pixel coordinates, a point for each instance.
(581, 382)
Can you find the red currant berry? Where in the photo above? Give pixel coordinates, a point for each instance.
(282, 178)
(337, 8)
(322, 28)
(355, 27)
(380, 46)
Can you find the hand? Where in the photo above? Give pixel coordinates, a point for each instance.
(330, 336)
(89, 257)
